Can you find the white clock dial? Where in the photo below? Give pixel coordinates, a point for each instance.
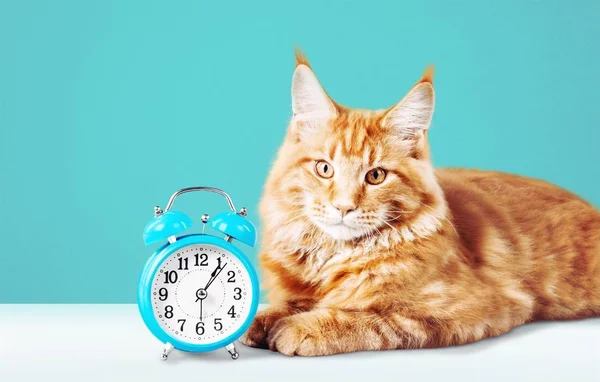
(201, 294)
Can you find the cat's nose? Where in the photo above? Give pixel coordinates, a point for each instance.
(344, 208)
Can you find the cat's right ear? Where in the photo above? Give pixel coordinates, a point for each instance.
(310, 102)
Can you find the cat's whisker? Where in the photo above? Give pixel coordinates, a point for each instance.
(400, 212)
(286, 199)
(301, 231)
(292, 205)
(392, 227)
(287, 214)
(438, 216)
(292, 201)
(377, 229)
(292, 219)
(296, 210)
(395, 218)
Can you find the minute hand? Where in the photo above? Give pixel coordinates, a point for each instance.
(216, 275)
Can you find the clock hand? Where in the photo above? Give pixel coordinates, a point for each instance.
(214, 273)
(217, 274)
(201, 295)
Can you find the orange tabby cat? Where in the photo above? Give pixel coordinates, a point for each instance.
(367, 247)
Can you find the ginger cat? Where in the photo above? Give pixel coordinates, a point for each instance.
(367, 247)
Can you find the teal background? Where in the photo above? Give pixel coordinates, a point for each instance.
(107, 107)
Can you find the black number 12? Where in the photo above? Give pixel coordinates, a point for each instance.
(203, 257)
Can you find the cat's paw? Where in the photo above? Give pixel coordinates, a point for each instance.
(256, 335)
(291, 336)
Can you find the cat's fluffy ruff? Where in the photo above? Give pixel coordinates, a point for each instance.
(427, 258)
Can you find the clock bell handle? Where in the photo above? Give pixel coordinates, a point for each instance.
(158, 211)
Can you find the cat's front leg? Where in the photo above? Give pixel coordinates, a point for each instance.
(256, 335)
(326, 331)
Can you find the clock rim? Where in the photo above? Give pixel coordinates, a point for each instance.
(144, 295)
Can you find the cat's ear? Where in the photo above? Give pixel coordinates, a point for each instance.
(310, 102)
(411, 117)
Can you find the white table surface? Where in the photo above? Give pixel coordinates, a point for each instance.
(110, 343)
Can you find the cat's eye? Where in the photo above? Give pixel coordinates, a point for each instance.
(323, 169)
(376, 176)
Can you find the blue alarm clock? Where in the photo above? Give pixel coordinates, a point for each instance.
(198, 292)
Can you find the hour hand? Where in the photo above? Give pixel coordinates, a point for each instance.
(214, 273)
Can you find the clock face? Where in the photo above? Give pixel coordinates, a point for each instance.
(201, 294)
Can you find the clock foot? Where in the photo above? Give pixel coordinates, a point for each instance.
(231, 349)
(166, 351)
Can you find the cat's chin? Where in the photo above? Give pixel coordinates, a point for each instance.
(342, 231)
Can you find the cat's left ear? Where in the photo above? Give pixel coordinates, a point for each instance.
(411, 117)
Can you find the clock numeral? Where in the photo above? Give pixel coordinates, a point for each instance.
(168, 311)
(203, 258)
(183, 264)
(218, 324)
(163, 293)
(182, 322)
(200, 328)
(238, 293)
(231, 311)
(231, 278)
(170, 277)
